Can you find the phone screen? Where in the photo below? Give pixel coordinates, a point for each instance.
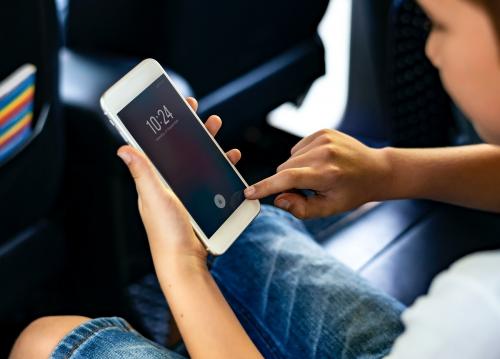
(184, 154)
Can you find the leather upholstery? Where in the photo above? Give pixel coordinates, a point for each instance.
(30, 182)
(420, 111)
(31, 36)
(210, 43)
(407, 266)
(400, 246)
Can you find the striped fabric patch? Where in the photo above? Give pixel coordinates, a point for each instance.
(16, 113)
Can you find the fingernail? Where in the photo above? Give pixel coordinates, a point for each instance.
(284, 204)
(250, 191)
(125, 157)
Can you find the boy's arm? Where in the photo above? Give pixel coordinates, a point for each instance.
(344, 174)
(467, 176)
(208, 325)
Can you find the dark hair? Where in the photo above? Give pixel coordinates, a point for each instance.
(492, 7)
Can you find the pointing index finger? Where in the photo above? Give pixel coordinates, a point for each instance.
(280, 182)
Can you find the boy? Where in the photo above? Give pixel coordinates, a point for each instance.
(288, 298)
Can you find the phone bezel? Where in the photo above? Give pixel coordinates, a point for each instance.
(125, 91)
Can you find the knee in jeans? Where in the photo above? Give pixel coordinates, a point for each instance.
(272, 211)
(278, 214)
(39, 339)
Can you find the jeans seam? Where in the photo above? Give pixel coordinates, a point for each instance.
(88, 335)
(270, 344)
(295, 222)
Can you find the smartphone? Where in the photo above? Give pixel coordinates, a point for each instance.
(151, 115)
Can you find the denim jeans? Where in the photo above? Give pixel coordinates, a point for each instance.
(293, 299)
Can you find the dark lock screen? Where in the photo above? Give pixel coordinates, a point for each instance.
(184, 154)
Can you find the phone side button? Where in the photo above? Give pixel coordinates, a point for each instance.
(112, 122)
(125, 138)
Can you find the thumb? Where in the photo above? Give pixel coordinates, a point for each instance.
(293, 203)
(146, 179)
(303, 207)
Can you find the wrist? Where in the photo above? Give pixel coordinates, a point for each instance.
(403, 179)
(388, 181)
(182, 276)
(180, 266)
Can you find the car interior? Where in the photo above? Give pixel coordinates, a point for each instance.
(71, 239)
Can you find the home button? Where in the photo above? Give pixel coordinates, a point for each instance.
(220, 201)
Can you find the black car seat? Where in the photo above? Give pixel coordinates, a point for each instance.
(31, 234)
(250, 55)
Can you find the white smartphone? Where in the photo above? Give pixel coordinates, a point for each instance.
(151, 115)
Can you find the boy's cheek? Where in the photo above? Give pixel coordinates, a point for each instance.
(474, 85)
(483, 107)
(484, 115)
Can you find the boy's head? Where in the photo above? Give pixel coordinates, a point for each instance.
(464, 45)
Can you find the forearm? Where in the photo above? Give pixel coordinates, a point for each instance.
(467, 176)
(208, 326)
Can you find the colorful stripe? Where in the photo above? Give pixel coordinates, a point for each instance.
(16, 142)
(16, 129)
(20, 88)
(15, 119)
(16, 110)
(15, 106)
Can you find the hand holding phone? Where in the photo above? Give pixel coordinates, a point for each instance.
(167, 223)
(152, 117)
